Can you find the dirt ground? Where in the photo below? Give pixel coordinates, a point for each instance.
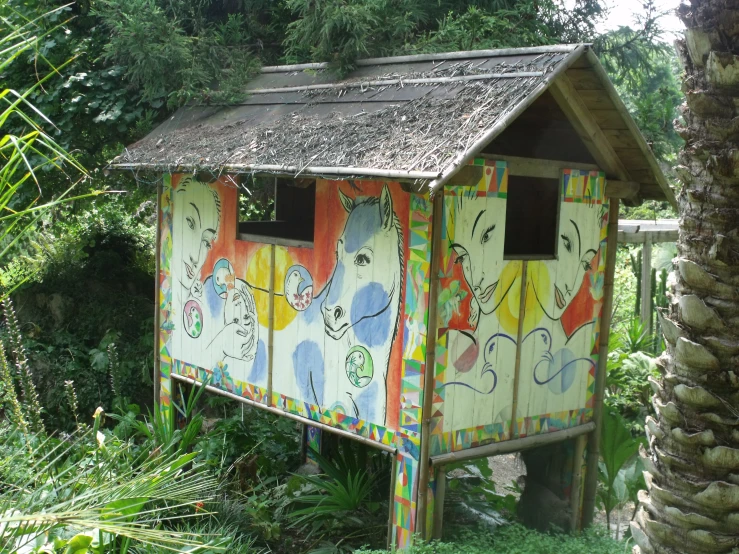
(509, 467)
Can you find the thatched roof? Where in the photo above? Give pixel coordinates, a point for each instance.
(419, 117)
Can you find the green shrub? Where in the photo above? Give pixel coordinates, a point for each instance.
(516, 539)
(92, 286)
(253, 441)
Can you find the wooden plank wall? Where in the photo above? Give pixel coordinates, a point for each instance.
(555, 340)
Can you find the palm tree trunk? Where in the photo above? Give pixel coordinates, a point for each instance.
(692, 504)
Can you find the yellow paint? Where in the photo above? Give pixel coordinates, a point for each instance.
(258, 275)
(510, 282)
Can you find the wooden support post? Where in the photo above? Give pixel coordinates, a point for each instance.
(591, 471)
(519, 340)
(646, 282)
(391, 509)
(157, 287)
(428, 383)
(439, 502)
(271, 330)
(576, 490)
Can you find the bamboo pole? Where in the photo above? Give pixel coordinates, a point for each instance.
(515, 445)
(271, 331)
(157, 292)
(428, 383)
(591, 469)
(462, 55)
(576, 489)
(519, 340)
(283, 413)
(289, 170)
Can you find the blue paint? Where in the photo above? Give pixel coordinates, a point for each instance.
(215, 303)
(364, 223)
(558, 371)
(336, 287)
(370, 315)
(366, 402)
(313, 311)
(258, 373)
(308, 368)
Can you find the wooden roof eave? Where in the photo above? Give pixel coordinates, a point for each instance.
(337, 173)
(632, 127)
(463, 158)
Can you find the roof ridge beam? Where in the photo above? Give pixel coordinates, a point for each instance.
(461, 55)
(401, 82)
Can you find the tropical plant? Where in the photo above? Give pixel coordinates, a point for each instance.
(472, 484)
(83, 494)
(27, 153)
(694, 445)
(636, 338)
(627, 385)
(160, 433)
(618, 476)
(339, 500)
(254, 443)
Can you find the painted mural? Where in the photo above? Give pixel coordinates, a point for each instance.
(349, 350)
(478, 316)
(337, 305)
(350, 313)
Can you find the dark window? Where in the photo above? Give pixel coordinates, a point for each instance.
(279, 211)
(531, 218)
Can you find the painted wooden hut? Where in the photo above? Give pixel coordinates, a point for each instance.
(437, 277)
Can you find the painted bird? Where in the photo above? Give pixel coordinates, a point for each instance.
(298, 289)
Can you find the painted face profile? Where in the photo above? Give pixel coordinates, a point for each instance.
(196, 216)
(478, 240)
(578, 242)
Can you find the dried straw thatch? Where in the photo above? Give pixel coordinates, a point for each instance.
(381, 117)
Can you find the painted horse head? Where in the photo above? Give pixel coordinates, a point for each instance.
(364, 291)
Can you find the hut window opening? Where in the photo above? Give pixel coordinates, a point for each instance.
(532, 212)
(277, 211)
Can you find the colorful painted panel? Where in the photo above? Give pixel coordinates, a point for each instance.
(478, 316)
(348, 350)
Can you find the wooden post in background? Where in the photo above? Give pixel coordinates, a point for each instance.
(591, 471)
(646, 282)
(439, 502)
(576, 490)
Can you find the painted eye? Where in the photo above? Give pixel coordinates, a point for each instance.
(362, 260)
(487, 234)
(567, 243)
(190, 222)
(460, 254)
